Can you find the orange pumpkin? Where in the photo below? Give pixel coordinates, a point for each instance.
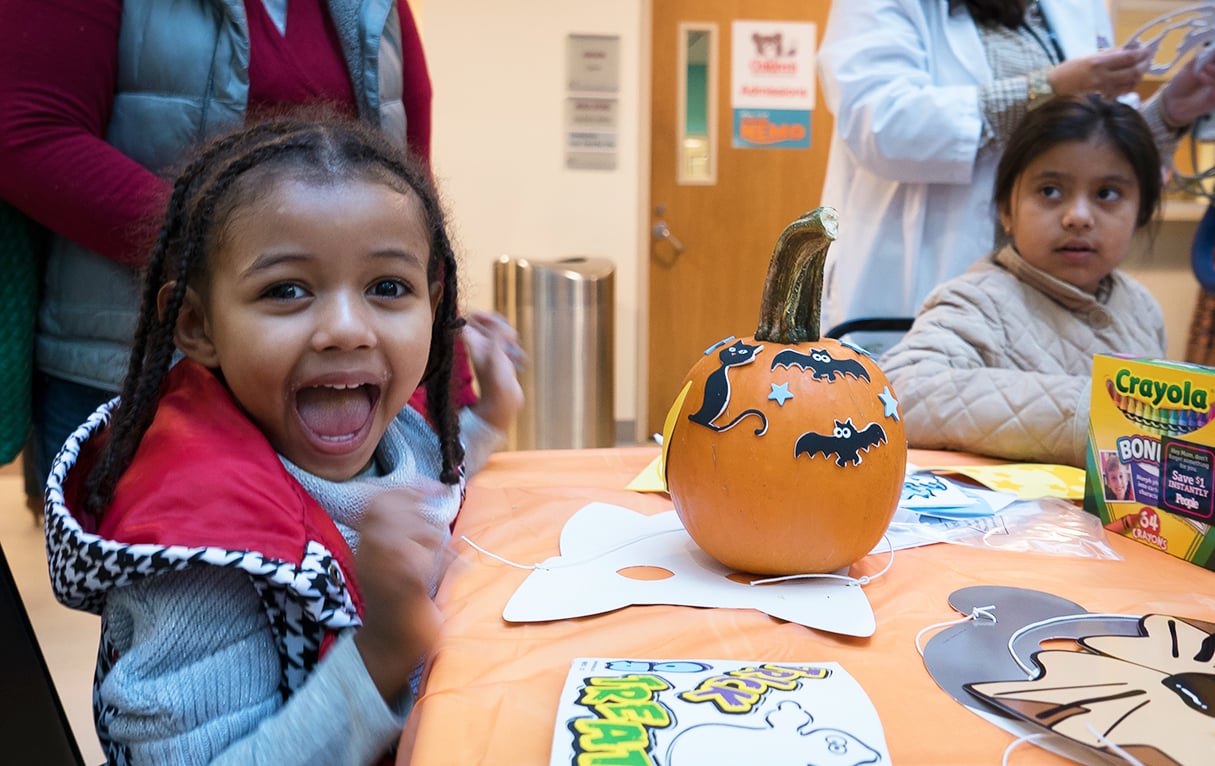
(785, 453)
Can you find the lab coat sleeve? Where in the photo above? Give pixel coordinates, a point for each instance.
(877, 65)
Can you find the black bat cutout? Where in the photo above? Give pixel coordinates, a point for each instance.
(845, 442)
(821, 363)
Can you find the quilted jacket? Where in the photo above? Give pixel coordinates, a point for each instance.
(999, 360)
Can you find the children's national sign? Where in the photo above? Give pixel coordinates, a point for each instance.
(772, 84)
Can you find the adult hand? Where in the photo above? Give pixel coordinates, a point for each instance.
(399, 553)
(493, 349)
(1110, 72)
(1190, 92)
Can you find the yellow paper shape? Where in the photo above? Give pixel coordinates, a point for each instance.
(1026, 480)
(668, 428)
(650, 478)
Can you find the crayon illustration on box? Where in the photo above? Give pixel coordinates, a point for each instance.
(1151, 454)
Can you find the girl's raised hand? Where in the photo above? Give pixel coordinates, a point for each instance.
(493, 349)
(399, 556)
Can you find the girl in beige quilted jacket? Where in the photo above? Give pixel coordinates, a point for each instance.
(999, 359)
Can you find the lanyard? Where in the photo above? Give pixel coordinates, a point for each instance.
(1054, 52)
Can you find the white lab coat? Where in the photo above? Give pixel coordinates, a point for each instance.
(914, 194)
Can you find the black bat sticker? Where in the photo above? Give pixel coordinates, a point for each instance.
(822, 364)
(845, 442)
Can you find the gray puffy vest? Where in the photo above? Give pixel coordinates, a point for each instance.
(183, 76)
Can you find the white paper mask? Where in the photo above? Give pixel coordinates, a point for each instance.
(602, 540)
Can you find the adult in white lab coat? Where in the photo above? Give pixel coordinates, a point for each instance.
(923, 96)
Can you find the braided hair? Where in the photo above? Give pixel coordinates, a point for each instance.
(206, 193)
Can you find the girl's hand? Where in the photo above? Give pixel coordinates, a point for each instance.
(399, 554)
(493, 349)
(1110, 72)
(1190, 92)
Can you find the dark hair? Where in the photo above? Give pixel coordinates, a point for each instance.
(1008, 13)
(308, 145)
(1078, 118)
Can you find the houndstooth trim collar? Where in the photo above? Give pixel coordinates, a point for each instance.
(84, 566)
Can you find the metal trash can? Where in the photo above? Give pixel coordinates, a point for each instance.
(563, 311)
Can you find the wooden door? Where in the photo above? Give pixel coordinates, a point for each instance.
(712, 240)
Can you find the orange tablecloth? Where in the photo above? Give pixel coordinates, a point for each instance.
(493, 687)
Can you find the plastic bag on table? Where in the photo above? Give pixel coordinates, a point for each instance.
(1045, 525)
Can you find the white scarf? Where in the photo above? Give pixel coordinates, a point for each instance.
(407, 456)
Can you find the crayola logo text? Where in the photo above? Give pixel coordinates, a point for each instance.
(1157, 391)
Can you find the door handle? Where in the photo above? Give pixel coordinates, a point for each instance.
(663, 232)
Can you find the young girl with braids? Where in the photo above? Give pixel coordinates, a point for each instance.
(260, 525)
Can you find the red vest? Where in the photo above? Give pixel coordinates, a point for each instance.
(205, 488)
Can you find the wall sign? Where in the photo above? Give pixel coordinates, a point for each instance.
(593, 78)
(591, 130)
(772, 84)
(593, 62)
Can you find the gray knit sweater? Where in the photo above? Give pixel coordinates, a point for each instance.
(198, 679)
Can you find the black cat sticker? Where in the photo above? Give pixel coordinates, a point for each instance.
(717, 389)
(845, 442)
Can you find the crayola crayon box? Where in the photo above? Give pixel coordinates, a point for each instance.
(1151, 454)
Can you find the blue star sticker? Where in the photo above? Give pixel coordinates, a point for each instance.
(888, 400)
(780, 392)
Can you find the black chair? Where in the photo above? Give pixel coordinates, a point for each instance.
(33, 727)
(878, 334)
(871, 324)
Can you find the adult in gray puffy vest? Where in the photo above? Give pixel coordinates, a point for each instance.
(88, 141)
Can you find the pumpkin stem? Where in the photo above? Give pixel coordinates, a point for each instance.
(793, 289)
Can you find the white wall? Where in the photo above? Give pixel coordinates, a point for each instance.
(499, 77)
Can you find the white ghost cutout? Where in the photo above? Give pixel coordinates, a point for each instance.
(602, 539)
(787, 739)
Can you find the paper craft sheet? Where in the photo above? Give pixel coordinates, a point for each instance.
(1028, 481)
(697, 712)
(649, 479)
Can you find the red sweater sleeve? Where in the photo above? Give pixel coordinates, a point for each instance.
(416, 92)
(416, 96)
(54, 107)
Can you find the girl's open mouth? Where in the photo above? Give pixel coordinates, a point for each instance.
(337, 414)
